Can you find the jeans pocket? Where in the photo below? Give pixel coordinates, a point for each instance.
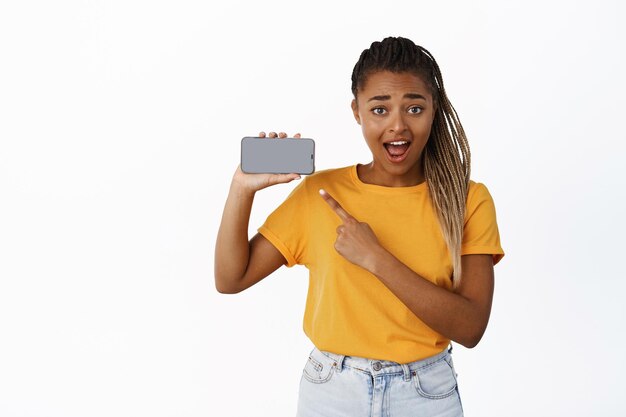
(435, 381)
(319, 368)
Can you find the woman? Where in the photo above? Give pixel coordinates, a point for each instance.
(400, 251)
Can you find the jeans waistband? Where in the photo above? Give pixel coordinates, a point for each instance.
(377, 367)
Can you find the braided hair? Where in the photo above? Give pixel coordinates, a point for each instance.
(447, 174)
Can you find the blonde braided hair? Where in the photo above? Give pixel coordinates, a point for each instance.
(447, 155)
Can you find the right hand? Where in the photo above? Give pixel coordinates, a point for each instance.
(256, 182)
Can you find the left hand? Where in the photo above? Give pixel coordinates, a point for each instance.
(356, 240)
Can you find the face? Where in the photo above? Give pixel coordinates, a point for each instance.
(395, 111)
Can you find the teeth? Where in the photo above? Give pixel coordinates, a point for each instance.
(400, 142)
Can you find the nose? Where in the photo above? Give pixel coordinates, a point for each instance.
(397, 123)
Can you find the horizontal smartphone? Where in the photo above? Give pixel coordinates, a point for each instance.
(277, 156)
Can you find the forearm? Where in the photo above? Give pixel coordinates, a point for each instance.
(232, 248)
(448, 313)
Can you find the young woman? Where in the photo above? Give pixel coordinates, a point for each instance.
(400, 250)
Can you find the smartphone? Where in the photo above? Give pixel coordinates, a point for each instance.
(277, 156)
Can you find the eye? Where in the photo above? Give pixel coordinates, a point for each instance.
(379, 110)
(415, 109)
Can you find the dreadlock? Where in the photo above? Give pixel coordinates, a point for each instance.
(447, 174)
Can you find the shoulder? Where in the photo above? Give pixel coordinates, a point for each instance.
(480, 229)
(327, 175)
(477, 191)
(310, 184)
(479, 200)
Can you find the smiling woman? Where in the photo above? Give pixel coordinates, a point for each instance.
(400, 251)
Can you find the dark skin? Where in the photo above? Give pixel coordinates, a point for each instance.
(460, 316)
(387, 108)
(392, 106)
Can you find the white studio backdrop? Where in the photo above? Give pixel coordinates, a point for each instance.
(120, 124)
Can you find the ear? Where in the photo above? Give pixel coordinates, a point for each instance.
(355, 111)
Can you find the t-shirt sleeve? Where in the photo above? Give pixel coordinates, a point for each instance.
(287, 227)
(480, 232)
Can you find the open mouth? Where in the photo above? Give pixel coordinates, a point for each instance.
(397, 150)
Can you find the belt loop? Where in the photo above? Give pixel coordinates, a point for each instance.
(407, 371)
(339, 362)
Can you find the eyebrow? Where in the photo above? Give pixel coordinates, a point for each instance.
(412, 96)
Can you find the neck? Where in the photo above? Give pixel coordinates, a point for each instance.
(373, 174)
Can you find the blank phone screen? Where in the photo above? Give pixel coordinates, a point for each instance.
(278, 156)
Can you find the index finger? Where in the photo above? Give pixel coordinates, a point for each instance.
(344, 215)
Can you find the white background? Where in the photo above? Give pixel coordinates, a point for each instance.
(120, 124)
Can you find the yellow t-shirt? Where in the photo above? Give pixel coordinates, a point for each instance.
(348, 309)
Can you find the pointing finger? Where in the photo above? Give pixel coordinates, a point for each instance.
(344, 215)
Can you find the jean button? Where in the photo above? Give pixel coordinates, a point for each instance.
(377, 366)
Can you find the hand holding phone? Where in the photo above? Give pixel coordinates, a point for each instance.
(253, 182)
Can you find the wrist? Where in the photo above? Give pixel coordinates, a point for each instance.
(378, 260)
(240, 190)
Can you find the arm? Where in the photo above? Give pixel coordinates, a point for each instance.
(460, 316)
(240, 264)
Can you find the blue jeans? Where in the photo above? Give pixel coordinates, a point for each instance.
(334, 385)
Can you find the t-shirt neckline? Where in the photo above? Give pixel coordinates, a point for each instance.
(384, 189)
